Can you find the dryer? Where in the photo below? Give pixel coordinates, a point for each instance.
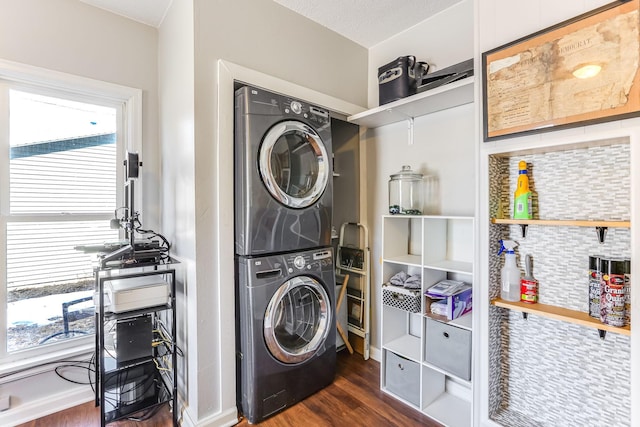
(286, 332)
(283, 173)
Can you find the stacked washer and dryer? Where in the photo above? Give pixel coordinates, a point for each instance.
(285, 277)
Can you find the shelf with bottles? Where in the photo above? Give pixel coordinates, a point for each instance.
(563, 314)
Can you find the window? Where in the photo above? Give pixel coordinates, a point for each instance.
(59, 154)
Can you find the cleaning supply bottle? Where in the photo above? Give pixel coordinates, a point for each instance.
(510, 273)
(528, 284)
(522, 200)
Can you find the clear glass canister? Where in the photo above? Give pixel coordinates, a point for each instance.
(405, 192)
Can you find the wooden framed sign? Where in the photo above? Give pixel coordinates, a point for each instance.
(578, 72)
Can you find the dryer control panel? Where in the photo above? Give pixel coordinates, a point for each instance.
(309, 261)
(297, 108)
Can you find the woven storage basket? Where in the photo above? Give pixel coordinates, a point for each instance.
(404, 299)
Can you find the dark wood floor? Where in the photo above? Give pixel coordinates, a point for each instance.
(354, 399)
(88, 415)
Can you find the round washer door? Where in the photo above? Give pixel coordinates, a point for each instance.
(293, 164)
(297, 320)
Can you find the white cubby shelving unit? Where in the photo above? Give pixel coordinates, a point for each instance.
(437, 248)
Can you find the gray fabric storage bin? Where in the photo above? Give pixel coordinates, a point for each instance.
(402, 378)
(449, 348)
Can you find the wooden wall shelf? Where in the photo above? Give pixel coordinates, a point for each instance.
(563, 314)
(563, 223)
(600, 226)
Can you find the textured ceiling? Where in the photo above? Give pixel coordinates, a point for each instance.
(366, 22)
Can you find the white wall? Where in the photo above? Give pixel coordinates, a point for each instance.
(71, 37)
(258, 35)
(444, 142)
(176, 128)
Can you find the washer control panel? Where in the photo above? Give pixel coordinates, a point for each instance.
(299, 262)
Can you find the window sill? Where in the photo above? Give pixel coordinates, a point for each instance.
(27, 367)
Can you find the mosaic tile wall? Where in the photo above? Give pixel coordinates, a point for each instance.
(545, 372)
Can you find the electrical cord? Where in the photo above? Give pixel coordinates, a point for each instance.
(147, 416)
(63, 362)
(165, 333)
(58, 371)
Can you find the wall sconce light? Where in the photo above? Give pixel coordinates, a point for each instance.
(587, 71)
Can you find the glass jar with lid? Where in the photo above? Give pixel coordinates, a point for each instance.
(405, 192)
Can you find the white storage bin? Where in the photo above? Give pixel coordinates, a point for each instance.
(402, 378)
(449, 348)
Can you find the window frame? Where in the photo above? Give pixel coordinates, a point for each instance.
(128, 103)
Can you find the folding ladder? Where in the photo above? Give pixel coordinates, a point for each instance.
(353, 261)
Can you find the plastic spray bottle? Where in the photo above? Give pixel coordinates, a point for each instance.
(510, 273)
(522, 203)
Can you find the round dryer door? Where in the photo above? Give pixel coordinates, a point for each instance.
(297, 320)
(294, 164)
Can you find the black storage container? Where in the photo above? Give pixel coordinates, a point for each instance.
(399, 78)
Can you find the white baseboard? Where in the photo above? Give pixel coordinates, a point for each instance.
(222, 419)
(375, 354)
(48, 405)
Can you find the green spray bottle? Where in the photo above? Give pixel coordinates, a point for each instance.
(522, 200)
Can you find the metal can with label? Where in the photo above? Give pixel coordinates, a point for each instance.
(612, 299)
(595, 277)
(627, 291)
(529, 291)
